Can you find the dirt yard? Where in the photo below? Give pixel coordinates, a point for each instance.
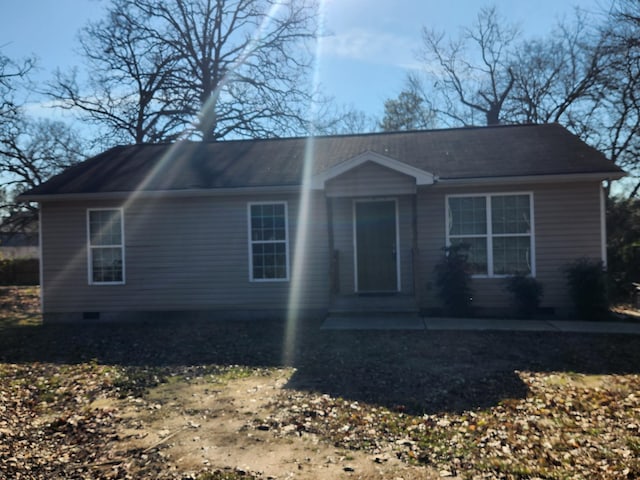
(215, 401)
(222, 424)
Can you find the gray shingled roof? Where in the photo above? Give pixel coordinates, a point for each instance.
(464, 153)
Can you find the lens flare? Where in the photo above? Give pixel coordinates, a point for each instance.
(296, 289)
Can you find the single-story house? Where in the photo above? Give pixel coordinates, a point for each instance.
(251, 226)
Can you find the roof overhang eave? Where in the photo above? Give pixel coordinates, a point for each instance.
(548, 178)
(154, 194)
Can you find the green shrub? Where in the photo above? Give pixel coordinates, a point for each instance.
(587, 282)
(526, 294)
(453, 280)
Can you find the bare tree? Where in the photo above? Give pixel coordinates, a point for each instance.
(216, 68)
(244, 63)
(411, 110)
(620, 128)
(474, 72)
(126, 93)
(558, 78)
(12, 74)
(345, 120)
(32, 151)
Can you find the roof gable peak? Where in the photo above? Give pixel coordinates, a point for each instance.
(422, 177)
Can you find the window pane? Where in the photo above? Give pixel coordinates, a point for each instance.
(106, 264)
(268, 223)
(279, 231)
(510, 214)
(269, 260)
(105, 227)
(467, 215)
(268, 241)
(511, 255)
(477, 253)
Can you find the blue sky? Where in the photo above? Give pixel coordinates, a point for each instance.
(363, 59)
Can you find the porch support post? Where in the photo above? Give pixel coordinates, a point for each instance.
(333, 260)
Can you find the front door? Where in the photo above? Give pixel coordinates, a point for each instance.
(376, 246)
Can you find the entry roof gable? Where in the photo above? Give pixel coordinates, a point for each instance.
(422, 177)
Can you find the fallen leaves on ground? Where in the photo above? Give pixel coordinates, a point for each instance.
(47, 427)
(52, 424)
(569, 426)
(19, 306)
(498, 405)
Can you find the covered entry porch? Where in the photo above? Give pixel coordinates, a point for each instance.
(372, 228)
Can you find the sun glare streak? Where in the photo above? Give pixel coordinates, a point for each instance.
(209, 105)
(160, 168)
(297, 276)
(303, 224)
(207, 110)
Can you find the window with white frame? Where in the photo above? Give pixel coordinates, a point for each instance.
(498, 228)
(268, 241)
(105, 230)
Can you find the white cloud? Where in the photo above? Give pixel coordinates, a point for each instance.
(49, 109)
(369, 46)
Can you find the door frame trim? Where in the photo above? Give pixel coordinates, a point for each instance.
(354, 220)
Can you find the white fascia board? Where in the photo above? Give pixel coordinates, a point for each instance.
(422, 177)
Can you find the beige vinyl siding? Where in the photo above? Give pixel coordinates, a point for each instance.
(181, 254)
(431, 240)
(193, 253)
(370, 179)
(567, 226)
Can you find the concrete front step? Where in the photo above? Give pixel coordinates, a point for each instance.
(367, 305)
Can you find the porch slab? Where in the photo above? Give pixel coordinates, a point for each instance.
(373, 322)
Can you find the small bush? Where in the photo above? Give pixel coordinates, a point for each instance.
(453, 280)
(587, 282)
(526, 294)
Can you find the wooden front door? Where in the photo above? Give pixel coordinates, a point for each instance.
(376, 246)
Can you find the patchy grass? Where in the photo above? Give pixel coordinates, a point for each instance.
(472, 404)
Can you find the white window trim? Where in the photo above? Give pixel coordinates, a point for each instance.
(90, 247)
(490, 235)
(355, 240)
(251, 242)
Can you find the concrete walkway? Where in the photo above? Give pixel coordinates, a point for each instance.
(408, 322)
